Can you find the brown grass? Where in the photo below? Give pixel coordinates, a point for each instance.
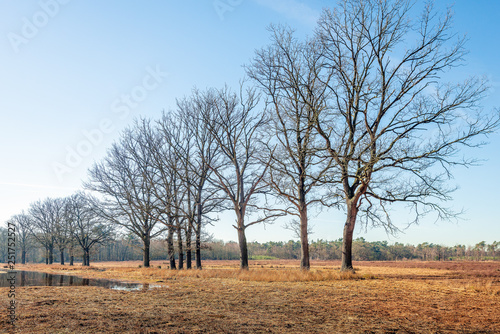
(272, 297)
(268, 273)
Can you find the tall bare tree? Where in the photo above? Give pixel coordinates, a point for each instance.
(238, 129)
(196, 115)
(157, 164)
(288, 71)
(128, 196)
(394, 128)
(170, 157)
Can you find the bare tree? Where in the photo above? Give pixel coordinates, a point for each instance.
(63, 229)
(239, 175)
(89, 229)
(154, 158)
(25, 240)
(394, 130)
(168, 155)
(128, 195)
(72, 242)
(46, 216)
(288, 72)
(199, 150)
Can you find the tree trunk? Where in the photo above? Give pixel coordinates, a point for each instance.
(304, 240)
(242, 240)
(23, 256)
(62, 257)
(188, 246)
(145, 257)
(71, 260)
(86, 257)
(170, 244)
(199, 208)
(179, 245)
(51, 255)
(198, 251)
(352, 212)
(46, 255)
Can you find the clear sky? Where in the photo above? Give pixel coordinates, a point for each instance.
(74, 73)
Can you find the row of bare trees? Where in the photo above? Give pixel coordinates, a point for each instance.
(61, 225)
(175, 174)
(127, 247)
(355, 117)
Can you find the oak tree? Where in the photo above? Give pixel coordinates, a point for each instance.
(395, 126)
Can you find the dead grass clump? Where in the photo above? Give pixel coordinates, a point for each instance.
(296, 275)
(490, 287)
(266, 275)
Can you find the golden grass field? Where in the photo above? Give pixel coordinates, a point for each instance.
(272, 297)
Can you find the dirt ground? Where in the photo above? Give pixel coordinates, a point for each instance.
(272, 297)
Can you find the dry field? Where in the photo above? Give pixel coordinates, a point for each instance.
(273, 297)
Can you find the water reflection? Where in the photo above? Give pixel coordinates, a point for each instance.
(34, 278)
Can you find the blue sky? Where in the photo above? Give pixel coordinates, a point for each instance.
(74, 73)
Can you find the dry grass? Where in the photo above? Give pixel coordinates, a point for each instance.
(270, 273)
(273, 297)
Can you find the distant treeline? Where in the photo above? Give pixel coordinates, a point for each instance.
(362, 251)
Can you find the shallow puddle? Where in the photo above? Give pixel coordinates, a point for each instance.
(35, 278)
